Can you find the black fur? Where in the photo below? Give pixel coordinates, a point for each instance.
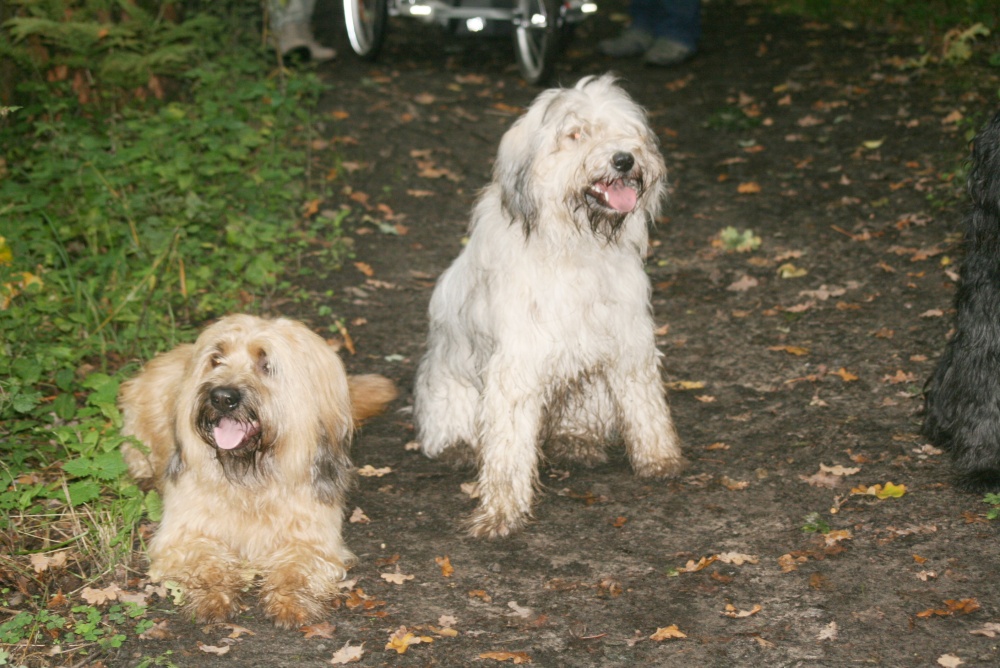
(962, 399)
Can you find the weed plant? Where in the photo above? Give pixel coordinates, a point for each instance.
(125, 224)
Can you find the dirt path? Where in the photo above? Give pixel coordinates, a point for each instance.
(838, 165)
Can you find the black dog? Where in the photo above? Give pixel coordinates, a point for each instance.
(962, 400)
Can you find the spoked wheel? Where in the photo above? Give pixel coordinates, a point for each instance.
(536, 38)
(366, 22)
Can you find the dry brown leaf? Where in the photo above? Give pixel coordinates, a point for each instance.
(743, 284)
(668, 633)
(833, 537)
(365, 268)
(949, 661)
(369, 471)
(396, 578)
(791, 350)
(446, 568)
(735, 613)
(789, 563)
(100, 596)
(516, 657)
(401, 639)
(837, 469)
(158, 631)
(695, 566)
(43, 562)
(748, 188)
(737, 559)
(844, 374)
(359, 517)
(348, 654)
(733, 485)
(212, 649)
(481, 595)
(990, 630)
(899, 377)
(686, 385)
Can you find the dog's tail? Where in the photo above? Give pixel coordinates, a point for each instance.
(370, 394)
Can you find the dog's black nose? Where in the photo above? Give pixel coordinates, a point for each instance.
(225, 399)
(622, 161)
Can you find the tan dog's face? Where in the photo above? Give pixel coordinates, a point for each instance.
(256, 387)
(236, 373)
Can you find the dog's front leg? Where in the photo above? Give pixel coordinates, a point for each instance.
(299, 581)
(507, 428)
(209, 574)
(648, 429)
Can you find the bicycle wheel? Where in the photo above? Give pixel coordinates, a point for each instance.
(536, 38)
(366, 22)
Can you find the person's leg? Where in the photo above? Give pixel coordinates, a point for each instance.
(638, 37)
(291, 25)
(676, 31)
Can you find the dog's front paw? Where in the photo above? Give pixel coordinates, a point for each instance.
(485, 523)
(212, 604)
(290, 610)
(661, 468)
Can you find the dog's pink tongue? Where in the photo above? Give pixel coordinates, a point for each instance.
(230, 433)
(621, 197)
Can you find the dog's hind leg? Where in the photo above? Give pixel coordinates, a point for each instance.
(444, 407)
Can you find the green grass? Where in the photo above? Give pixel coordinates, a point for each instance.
(127, 224)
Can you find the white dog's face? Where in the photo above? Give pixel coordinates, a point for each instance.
(588, 151)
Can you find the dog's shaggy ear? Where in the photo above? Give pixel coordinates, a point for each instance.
(149, 407)
(370, 394)
(513, 172)
(332, 470)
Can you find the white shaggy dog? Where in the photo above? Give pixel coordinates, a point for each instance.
(541, 331)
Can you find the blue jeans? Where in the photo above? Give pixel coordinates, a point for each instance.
(677, 20)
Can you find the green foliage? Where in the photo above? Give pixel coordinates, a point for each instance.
(740, 242)
(994, 501)
(732, 119)
(814, 523)
(127, 223)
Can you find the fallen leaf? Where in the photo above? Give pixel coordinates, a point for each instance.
(359, 517)
(519, 611)
(369, 471)
(43, 562)
(899, 377)
(743, 284)
(235, 631)
(365, 268)
(963, 606)
(396, 578)
(949, 661)
(348, 654)
(695, 566)
(789, 563)
(320, 630)
(212, 649)
(732, 611)
(789, 270)
(839, 470)
(990, 630)
(481, 595)
(791, 350)
(748, 188)
(833, 537)
(829, 632)
(100, 596)
(932, 313)
(401, 639)
(737, 559)
(471, 489)
(686, 385)
(446, 568)
(619, 521)
(668, 633)
(844, 374)
(516, 657)
(733, 485)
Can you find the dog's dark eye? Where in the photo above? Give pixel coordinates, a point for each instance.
(216, 360)
(575, 135)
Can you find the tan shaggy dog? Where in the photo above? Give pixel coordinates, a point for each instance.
(248, 432)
